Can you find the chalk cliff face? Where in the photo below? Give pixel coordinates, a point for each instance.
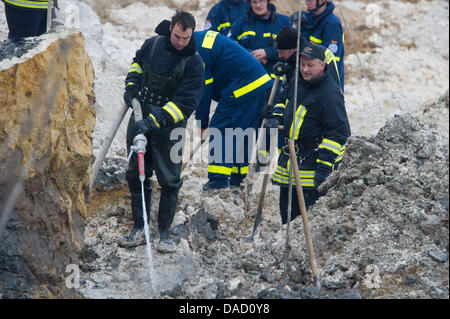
(47, 120)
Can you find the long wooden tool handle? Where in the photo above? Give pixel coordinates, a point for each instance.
(273, 159)
(301, 202)
(107, 143)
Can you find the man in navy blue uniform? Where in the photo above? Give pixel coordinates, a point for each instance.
(167, 77)
(257, 31)
(320, 130)
(321, 26)
(235, 79)
(25, 18)
(223, 14)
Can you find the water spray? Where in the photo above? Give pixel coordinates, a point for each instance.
(139, 147)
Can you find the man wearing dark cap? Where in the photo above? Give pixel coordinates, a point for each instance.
(286, 44)
(320, 130)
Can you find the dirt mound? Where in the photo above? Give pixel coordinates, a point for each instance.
(380, 231)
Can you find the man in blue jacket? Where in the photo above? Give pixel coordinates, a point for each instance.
(238, 82)
(320, 129)
(223, 14)
(321, 26)
(25, 18)
(257, 31)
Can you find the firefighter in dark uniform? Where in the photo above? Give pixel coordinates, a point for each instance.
(167, 77)
(320, 25)
(286, 44)
(320, 132)
(26, 18)
(238, 82)
(257, 31)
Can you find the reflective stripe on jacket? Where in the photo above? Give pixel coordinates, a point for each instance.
(28, 4)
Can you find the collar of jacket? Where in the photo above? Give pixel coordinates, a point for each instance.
(314, 83)
(312, 20)
(232, 3)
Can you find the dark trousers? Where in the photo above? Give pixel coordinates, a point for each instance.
(310, 197)
(24, 23)
(161, 158)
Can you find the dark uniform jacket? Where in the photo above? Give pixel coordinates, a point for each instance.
(183, 102)
(223, 14)
(231, 73)
(253, 32)
(321, 129)
(326, 30)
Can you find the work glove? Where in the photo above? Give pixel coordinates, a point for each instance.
(155, 120)
(131, 92)
(280, 68)
(271, 123)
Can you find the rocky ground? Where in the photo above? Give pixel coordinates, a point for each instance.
(380, 232)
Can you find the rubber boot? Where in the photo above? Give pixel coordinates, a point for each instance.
(137, 235)
(166, 213)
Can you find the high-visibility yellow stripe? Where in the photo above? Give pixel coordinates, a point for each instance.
(337, 58)
(243, 170)
(174, 111)
(315, 40)
(299, 117)
(280, 105)
(209, 81)
(129, 83)
(135, 67)
(341, 155)
(208, 40)
(224, 25)
(154, 119)
(252, 86)
(273, 76)
(246, 33)
(325, 163)
(306, 182)
(29, 4)
(215, 169)
(331, 145)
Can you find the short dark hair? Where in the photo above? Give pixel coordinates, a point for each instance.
(185, 19)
